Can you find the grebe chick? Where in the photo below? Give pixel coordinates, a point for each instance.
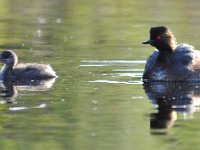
(171, 62)
(29, 71)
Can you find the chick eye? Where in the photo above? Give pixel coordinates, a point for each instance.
(5, 55)
(158, 37)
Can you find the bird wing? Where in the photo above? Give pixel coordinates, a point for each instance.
(182, 59)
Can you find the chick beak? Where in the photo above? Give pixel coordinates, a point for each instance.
(1, 59)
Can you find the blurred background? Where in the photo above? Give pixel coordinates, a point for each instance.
(98, 101)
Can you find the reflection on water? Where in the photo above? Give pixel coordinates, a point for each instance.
(99, 42)
(170, 99)
(9, 90)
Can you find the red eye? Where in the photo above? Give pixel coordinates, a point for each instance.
(158, 37)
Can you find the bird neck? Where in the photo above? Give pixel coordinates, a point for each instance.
(165, 51)
(7, 69)
(164, 55)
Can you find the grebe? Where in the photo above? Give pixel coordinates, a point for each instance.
(171, 62)
(29, 71)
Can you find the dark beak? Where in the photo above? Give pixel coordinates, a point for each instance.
(1, 57)
(148, 42)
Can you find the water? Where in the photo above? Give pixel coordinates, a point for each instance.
(98, 101)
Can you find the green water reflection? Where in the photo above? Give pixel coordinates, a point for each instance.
(95, 47)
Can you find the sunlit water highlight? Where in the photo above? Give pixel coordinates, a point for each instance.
(134, 74)
(27, 108)
(115, 82)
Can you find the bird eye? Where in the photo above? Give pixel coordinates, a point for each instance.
(158, 37)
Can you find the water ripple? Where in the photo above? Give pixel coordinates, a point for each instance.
(100, 63)
(116, 82)
(123, 73)
(25, 108)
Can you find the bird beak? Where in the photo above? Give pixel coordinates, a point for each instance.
(1, 57)
(1, 61)
(148, 42)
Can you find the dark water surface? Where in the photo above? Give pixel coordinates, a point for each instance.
(98, 102)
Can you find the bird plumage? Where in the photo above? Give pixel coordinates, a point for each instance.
(29, 71)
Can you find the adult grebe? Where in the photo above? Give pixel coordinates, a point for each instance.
(171, 62)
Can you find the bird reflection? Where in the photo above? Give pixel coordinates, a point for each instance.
(170, 99)
(9, 89)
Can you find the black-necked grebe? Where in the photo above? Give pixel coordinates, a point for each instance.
(171, 62)
(30, 71)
